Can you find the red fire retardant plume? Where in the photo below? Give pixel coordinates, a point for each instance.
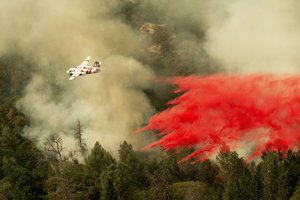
(250, 112)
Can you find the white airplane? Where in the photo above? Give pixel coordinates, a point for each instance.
(83, 69)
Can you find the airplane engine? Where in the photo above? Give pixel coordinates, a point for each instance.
(97, 64)
(71, 70)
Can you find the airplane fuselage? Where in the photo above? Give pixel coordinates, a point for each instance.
(83, 69)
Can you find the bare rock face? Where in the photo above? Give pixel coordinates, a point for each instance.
(162, 48)
(159, 35)
(153, 31)
(148, 28)
(155, 49)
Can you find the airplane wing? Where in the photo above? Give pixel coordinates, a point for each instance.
(74, 75)
(85, 62)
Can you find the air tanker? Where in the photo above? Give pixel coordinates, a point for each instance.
(83, 69)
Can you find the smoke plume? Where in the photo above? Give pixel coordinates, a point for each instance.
(257, 36)
(194, 37)
(59, 35)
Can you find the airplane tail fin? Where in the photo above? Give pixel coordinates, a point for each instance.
(97, 64)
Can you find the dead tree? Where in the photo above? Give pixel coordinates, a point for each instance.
(53, 146)
(79, 138)
(54, 155)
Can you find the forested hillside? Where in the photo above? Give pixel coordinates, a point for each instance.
(29, 173)
(142, 43)
(15, 74)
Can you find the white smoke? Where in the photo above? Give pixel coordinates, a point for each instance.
(243, 36)
(257, 36)
(110, 105)
(57, 35)
(246, 36)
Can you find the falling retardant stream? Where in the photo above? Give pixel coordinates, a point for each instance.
(252, 112)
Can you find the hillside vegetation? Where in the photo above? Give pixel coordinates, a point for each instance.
(27, 172)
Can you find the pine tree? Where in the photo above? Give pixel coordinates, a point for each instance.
(257, 183)
(238, 178)
(74, 174)
(123, 184)
(96, 162)
(108, 183)
(271, 170)
(20, 182)
(210, 174)
(296, 194)
(160, 183)
(15, 175)
(126, 153)
(291, 167)
(19, 155)
(134, 166)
